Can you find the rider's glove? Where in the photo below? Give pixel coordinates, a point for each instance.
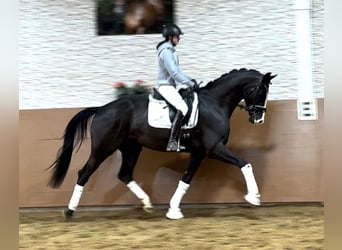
(195, 85)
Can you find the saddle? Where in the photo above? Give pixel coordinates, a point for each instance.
(161, 113)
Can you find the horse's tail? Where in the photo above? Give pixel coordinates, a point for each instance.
(77, 126)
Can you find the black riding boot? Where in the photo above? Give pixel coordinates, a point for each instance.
(172, 145)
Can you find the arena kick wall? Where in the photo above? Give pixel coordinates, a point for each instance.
(65, 66)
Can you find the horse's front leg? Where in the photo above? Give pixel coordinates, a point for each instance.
(174, 211)
(222, 153)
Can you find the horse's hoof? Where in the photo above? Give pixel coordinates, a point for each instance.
(174, 214)
(148, 209)
(253, 199)
(68, 214)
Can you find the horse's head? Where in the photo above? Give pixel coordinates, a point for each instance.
(250, 85)
(255, 96)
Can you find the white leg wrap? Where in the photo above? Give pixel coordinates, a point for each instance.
(137, 190)
(253, 195)
(178, 195)
(75, 198)
(174, 210)
(252, 186)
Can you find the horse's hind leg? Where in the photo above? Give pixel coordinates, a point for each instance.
(84, 174)
(130, 151)
(174, 211)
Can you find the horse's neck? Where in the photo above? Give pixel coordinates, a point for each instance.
(229, 94)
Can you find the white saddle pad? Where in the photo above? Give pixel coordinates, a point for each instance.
(158, 114)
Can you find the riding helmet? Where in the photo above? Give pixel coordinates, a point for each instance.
(171, 30)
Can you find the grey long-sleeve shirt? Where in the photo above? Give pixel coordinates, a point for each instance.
(168, 70)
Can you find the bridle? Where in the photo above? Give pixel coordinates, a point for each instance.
(254, 108)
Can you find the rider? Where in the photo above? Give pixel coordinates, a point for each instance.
(169, 76)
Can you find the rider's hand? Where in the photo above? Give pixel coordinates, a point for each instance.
(195, 86)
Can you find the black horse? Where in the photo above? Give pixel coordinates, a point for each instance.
(123, 125)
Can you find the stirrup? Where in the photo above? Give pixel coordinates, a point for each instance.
(173, 145)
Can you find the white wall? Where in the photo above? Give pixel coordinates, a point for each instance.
(63, 63)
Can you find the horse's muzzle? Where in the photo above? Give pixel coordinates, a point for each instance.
(257, 118)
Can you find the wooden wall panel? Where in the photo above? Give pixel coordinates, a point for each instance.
(286, 155)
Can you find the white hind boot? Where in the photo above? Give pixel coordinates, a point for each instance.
(76, 197)
(145, 199)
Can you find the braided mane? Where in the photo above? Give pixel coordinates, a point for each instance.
(230, 74)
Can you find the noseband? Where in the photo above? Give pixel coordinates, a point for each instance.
(254, 108)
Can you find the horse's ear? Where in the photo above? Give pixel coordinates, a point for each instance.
(271, 77)
(268, 77)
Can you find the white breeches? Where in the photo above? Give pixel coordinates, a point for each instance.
(172, 96)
